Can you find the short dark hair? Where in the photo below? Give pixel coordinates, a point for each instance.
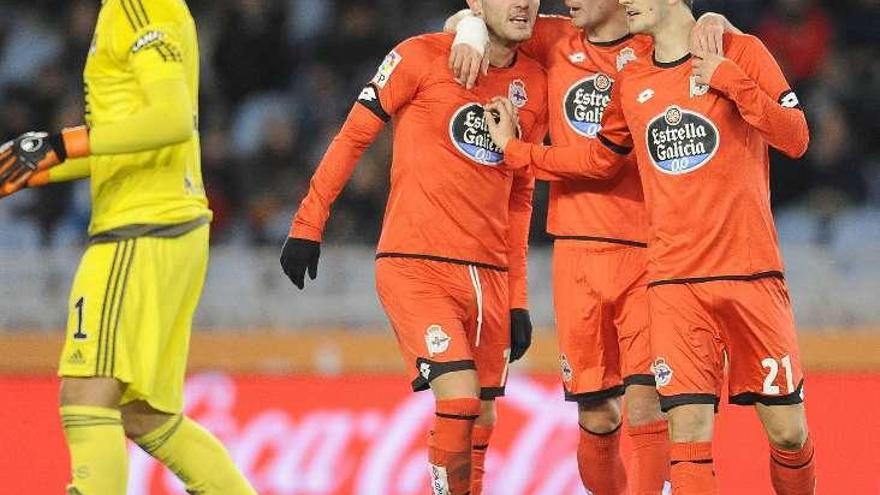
(689, 3)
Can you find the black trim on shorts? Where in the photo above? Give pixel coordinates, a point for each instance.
(442, 260)
(752, 398)
(594, 397)
(491, 393)
(438, 369)
(647, 380)
(480, 447)
(110, 279)
(607, 433)
(119, 307)
(735, 278)
(610, 240)
(463, 417)
(695, 461)
(668, 402)
(611, 145)
(105, 362)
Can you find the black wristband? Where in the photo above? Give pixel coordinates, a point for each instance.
(56, 141)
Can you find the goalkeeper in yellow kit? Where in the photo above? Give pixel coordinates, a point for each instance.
(138, 284)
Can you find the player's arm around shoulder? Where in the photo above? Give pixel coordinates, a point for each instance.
(750, 76)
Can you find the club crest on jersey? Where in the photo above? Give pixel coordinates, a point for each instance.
(681, 141)
(517, 93)
(662, 372)
(470, 135)
(696, 88)
(624, 57)
(585, 102)
(437, 340)
(392, 60)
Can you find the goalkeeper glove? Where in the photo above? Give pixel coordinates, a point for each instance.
(520, 333)
(24, 158)
(299, 255)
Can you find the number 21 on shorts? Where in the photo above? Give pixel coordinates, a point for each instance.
(770, 387)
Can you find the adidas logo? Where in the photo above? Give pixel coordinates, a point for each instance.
(76, 358)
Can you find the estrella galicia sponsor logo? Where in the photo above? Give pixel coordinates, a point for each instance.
(470, 135)
(681, 141)
(585, 103)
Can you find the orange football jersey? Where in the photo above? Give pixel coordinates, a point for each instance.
(703, 159)
(580, 76)
(450, 199)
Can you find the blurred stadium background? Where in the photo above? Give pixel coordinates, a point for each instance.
(305, 386)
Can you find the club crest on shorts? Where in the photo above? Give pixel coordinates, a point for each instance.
(517, 93)
(437, 340)
(565, 368)
(662, 372)
(439, 480)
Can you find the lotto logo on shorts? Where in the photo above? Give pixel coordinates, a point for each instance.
(437, 340)
(439, 480)
(425, 370)
(662, 372)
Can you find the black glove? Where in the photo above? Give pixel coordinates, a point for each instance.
(26, 155)
(296, 256)
(520, 333)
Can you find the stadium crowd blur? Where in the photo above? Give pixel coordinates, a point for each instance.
(279, 76)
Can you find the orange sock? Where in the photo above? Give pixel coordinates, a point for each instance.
(480, 442)
(650, 457)
(449, 445)
(793, 473)
(600, 464)
(692, 470)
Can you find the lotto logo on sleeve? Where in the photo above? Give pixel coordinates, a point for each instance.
(392, 60)
(585, 102)
(681, 141)
(470, 135)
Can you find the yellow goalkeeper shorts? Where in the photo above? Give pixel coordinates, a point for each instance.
(131, 311)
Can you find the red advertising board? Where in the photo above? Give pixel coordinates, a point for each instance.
(364, 435)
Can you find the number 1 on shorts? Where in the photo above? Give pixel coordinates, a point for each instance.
(79, 335)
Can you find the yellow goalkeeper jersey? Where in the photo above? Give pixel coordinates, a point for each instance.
(138, 42)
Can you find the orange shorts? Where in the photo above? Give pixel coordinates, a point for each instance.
(698, 328)
(599, 295)
(448, 317)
